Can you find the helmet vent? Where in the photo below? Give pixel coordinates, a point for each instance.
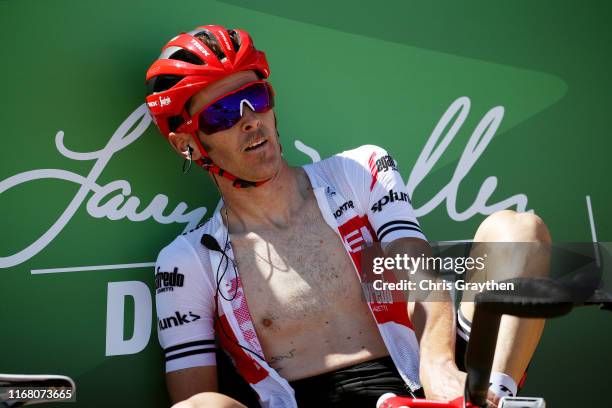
(186, 56)
(235, 38)
(162, 83)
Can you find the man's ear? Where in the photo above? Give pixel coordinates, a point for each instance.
(180, 141)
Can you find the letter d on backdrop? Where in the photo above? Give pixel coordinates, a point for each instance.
(115, 317)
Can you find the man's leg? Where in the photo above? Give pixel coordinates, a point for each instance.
(209, 400)
(517, 338)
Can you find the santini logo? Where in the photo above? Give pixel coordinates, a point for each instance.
(167, 281)
(389, 198)
(177, 320)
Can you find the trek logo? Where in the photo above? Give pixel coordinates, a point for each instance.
(167, 281)
(200, 47)
(389, 198)
(338, 213)
(385, 163)
(177, 320)
(160, 102)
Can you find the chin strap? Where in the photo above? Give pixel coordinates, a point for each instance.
(207, 164)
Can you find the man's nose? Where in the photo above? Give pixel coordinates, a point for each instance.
(250, 120)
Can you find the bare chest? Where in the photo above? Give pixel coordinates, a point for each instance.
(296, 277)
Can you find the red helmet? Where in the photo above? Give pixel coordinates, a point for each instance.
(187, 65)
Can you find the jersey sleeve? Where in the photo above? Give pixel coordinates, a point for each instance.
(382, 194)
(185, 308)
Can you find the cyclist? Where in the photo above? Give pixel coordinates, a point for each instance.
(292, 319)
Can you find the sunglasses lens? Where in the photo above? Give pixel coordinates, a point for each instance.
(225, 113)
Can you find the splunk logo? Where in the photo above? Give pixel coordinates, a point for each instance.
(389, 198)
(338, 213)
(178, 319)
(167, 281)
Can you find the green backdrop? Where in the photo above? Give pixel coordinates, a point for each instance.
(89, 192)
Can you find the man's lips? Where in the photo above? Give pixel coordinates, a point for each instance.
(256, 144)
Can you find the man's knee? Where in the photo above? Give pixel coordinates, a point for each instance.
(209, 400)
(527, 256)
(510, 226)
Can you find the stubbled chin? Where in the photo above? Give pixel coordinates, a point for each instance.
(263, 165)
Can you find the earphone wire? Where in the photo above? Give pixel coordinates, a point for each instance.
(218, 289)
(227, 258)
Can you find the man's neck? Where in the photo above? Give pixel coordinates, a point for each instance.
(274, 204)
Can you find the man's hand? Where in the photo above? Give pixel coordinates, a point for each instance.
(442, 381)
(445, 382)
(435, 330)
(492, 400)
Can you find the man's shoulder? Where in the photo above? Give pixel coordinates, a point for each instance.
(348, 162)
(361, 154)
(184, 244)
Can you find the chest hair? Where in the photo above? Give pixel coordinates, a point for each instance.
(298, 275)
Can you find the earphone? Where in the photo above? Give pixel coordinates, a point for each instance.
(187, 163)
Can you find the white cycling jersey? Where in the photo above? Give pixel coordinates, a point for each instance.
(362, 197)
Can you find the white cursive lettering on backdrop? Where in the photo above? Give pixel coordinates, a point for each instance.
(118, 203)
(117, 207)
(478, 142)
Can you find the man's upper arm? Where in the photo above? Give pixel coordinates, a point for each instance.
(187, 382)
(383, 195)
(184, 300)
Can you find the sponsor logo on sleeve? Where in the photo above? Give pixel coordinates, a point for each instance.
(178, 319)
(167, 281)
(385, 163)
(380, 166)
(338, 213)
(356, 233)
(329, 191)
(389, 198)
